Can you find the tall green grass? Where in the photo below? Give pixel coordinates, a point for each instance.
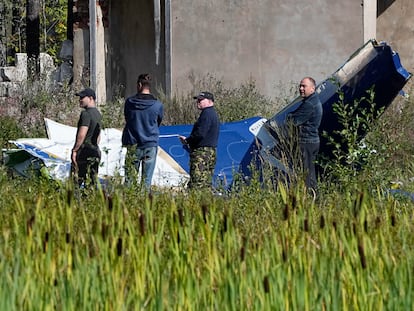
(260, 248)
(273, 250)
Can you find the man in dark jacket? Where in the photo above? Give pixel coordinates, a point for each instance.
(307, 117)
(143, 116)
(203, 143)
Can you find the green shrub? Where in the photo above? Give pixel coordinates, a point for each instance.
(350, 152)
(113, 113)
(388, 144)
(382, 155)
(255, 249)
(391, 138)
(9, 130)
(243, 102)
(37, 101)
(179, 109)
(232, 104)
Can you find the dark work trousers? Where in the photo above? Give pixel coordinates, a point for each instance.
(88, 159)
(309, 152)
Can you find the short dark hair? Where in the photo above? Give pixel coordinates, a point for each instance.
(144, 79)
(312, 80)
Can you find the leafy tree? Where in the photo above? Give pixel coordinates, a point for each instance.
(11, 30)
(54, 26)
(45, 24)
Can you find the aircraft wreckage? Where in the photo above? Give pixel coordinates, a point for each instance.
(374, 66)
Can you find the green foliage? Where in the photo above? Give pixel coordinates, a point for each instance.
(232, 104)
(113, 114)
(9, 130)
(391, 138)
(383, 158)
(350, 151)
(118, 250)
(53, 25)
(242, 102)
(180, 109)
(35, 102)
(53, 16)
(13, 22)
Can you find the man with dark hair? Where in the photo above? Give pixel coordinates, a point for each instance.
(307, 117)
(203, 143)
(143, 115)
(85, 153)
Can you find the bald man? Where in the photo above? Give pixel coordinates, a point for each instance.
(307, 117)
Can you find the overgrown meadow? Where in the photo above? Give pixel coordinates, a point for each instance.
(266, 246)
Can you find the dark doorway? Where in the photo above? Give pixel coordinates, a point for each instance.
(132, 47)
(383, 5)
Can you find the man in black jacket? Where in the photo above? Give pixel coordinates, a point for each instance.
(203, 143)
(307, 117)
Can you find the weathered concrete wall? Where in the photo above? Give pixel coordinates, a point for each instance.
(395, 25)
(275, 42)
(81, 57)
(131, 45)
(272, 41)
(12, 78)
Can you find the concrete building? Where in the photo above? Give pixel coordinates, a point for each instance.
(395, 24)
(271, 41)
(274, 42)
